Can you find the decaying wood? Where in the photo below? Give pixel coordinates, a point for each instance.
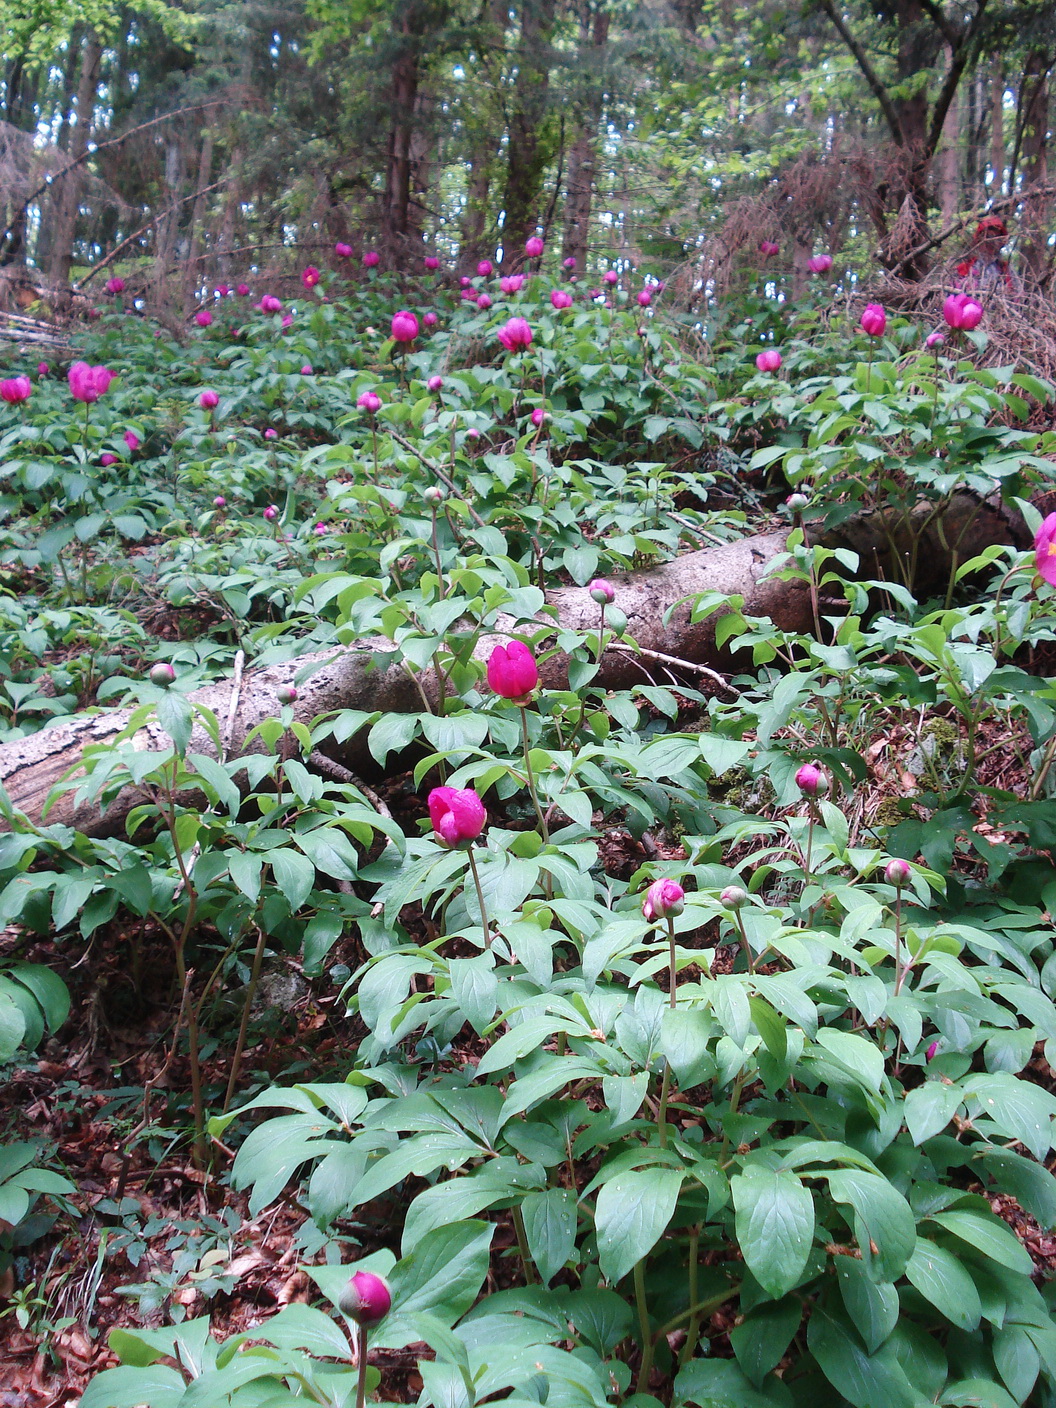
(366, 676)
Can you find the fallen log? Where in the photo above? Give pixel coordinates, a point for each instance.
(358, 677)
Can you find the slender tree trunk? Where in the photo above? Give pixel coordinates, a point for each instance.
(192, 273)
(582, 159)
(529, 145)
(232, 207)
(1037, 209)
(168, 228)
(949, 162)
(72, 181)
(997, 126)
(403, 98)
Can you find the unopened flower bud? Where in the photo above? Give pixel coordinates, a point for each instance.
(811, 781)
(366, 1299)
(733, 897)
(796, 503)
(930, 1053)
(286, 693)
(434, 495)
(602, 591)
(663, 900)
(162, 674)
(897, 872)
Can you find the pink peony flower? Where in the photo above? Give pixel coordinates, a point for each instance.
(820, 263)
(369, 401)
(404, 326)
(89, 383)
(115, 285)
(512, 671)
(897, 872)
(538, 416)
(371, 259)
(663, 900)
(515, 335)
(512, 283)
(473, 433)
(366, 1299)
(645, 298)
(962, 311)
(560, 298)
(320, 529)
(485, 268)
(484, 302)
(602, 591)
(1045, 550)
(107, 460)
(811, 781)
(934, 339)
(271, 434)
(769, 360)
(43, 369)
(342, 250)
(568, 263)
(208, 400)
(533, 247)
(271, 513)
(431, 262)
(270, 304)
(873, 320)
(310, 276)
(430, 320)
(434, 383)
(767, 248)
(203, 318)
(242, 290)
(222, 290)
(457, 813)
(463, 282)
(15, 390)
(610, 276)
(132, 440)
(287, 320)
(306, 370)
(219, 501)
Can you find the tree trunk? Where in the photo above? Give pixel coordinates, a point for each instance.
(232, 207)
(71, 182)
(949, 162)
(1036, 211)
(403, 97)
(528, 149)
(583, 155)
(344, 678)
(192, 273)
(997, 127)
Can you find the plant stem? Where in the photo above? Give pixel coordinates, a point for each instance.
(522, 1244)
(439, 560)
(480, 898)
(745, 946)
(900, 972)
(531, 778)
(694, 1320)
(243, 1027)
(661, 1114)
(646, 1365)
(361, 1368)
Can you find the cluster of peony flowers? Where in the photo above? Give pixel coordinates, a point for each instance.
(962, 312)
(87, 383)
(516, 335)
(873, 320)
(16, 389)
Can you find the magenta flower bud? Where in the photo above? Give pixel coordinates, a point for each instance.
(473, 433)
(533, 247)
(162, 675)
(538, 416)
(310, 276)
(458, 815)
(434, 495)
(733, 897)
(463, 282)
(286, 694)
(512, 671)
(242, 290)
(796, 503)
(271, 434)
(512, 283)
(873, 320)
(516, 335)
(221, 290)
(208, 400)
(87, 383)
(203, 318)
(369, 401)
(430, 320)
(366, 1299)
(404, 326)
(1045, 550)
(602, 591)
(930, 1053)
(107, 459)
(271, 513)
(320, 529)
(371, 259)
(811, 781)
(767, 248)
(342, 250)
(43, 369)
(644, 298)
(270, 304)
(434, 383)
(568, 263)
(132, 440)
(663, 900)
(287, 321)
(484, 302)
(16, 390)
(934, 339)
(610, 276)
(485, 268)
(431, 263)
(115, 285)
(962, 311)
(897, 872)
(769, 360)
(306, 370)
(560, 298)
(820, 263)
(219, 501)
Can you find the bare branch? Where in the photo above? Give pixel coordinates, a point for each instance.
(869, 73)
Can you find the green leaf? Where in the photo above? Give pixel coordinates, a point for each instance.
(988, 1235)
(294, 875)
(859, 1057)
(872, 1306)
(884, 1226)
(929, 1109)
(631, 1215)
(475, 987)
(774, 1224)
(129, 1387)
(550, 1226)
(760, 1340)
(944, 1283)
(176, 717)
(864, 1380)
(442, 1276)
(12, 1027)
(1018, 1108)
